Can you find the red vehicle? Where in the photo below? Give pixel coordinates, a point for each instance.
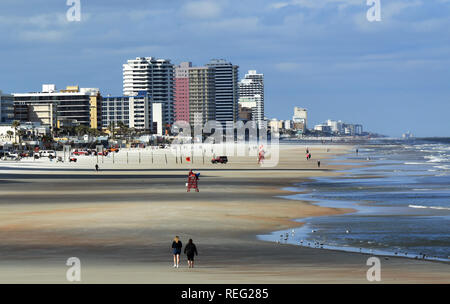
(25, 154)
(220, 160)
(78, 153)
(72, 159)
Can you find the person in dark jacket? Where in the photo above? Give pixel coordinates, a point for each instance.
(190, 250)
(176, 250)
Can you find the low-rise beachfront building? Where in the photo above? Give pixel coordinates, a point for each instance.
(132, 111)
(82, 105)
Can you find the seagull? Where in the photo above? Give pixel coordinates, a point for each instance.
(313, 231)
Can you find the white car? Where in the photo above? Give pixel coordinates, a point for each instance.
(47, 153)
(13, 154)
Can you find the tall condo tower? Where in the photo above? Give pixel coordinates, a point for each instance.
(155, 76)
(202, 106)
(181, 91)
(251, 94)
(226, 90)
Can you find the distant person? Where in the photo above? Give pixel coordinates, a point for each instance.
(357, 151)
(318, 163)
(190, 250)
(96, 168)
(176, 250)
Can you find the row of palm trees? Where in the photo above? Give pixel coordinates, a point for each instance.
(118, 130)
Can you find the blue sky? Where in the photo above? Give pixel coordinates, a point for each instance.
(392, 76)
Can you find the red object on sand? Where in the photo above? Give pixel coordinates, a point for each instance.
(192, 182)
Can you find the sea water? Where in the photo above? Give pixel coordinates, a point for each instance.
(401, 197)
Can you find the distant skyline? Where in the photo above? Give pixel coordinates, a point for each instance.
(391, 76)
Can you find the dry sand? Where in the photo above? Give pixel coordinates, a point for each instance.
(120, 223)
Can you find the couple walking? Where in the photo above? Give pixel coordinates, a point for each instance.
(190, 250)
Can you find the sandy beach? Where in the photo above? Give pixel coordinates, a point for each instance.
(120, 222)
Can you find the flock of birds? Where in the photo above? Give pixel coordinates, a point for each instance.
(320, 245)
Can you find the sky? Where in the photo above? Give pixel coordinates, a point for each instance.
(391, 76)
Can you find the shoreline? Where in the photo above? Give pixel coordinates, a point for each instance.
(285, 234)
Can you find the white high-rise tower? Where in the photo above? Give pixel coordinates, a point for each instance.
(155, 76)
(251, 94)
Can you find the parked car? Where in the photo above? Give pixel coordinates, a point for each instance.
(25, 154)
(78, 153)
(220, 159)
(13, 155)
(72, 159)
(47, 153)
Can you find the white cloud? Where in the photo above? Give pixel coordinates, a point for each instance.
(43, 36)
(203, 9)
(317, 3)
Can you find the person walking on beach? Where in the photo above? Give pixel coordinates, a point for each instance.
(176, 250)
(190, 250)
(96, 168)
(318, 163)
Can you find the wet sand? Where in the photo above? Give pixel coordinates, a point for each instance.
(120, 223)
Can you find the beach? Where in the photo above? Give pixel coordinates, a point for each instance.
(120, 222)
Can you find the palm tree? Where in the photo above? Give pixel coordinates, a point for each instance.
(123, 129)
(112, 129)
(16, 124)
(10, 134)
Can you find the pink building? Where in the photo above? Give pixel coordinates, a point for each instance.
(181, 91)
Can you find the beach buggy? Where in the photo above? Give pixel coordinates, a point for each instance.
(220, 160)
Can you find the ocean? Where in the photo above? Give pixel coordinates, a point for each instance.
(401, 197)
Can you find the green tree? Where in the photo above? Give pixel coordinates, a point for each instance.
(15, 125)
(10, 134)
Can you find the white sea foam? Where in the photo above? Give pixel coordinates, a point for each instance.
(444, 167)
(437, 159)
(430, 207)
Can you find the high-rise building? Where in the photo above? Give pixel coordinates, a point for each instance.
(202, 85)
(155, 76)
(251, 92)
(6, 108)
(226, 90)
(336, 126)
(133, 111)
(300, 116)
(181, 91)
(78, 106)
